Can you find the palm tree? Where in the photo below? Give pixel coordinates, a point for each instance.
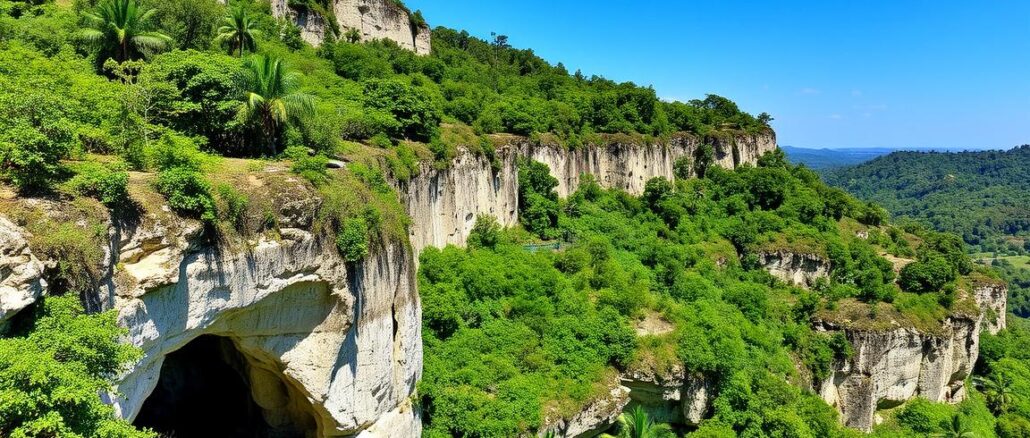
(956, 429)
(271, 97)
(997, 390)
(121, 29)
(238, 29)
(637, 424)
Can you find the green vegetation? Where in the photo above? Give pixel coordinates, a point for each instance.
(122, 105)
(513, 336)
(982, 196)
(54, 362)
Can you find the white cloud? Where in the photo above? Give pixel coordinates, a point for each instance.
(856, 92)
(809, 90)
(836, 116)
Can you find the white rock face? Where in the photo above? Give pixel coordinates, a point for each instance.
(993, 301)
(672, 397)
(594, 418)
(375, 19)
(797, 269)
(341, 343)
(21, 273)
(443, 204)
(891, 367)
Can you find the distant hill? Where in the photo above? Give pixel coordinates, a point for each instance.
(825, 159)
(982, 196)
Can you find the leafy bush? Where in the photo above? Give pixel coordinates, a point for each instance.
(352, 239)
(188, 193)
(110, 187)
(233, 206)
(486, 233)
(926, 276)
(411, 106)
(52, 370)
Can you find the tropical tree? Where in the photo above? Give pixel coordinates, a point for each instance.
(239, 30)
(271, 97)
(956, 429)
(638, 424)
(998, 391)
(121, 29)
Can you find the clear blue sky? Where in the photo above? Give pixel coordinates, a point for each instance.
(890, 73)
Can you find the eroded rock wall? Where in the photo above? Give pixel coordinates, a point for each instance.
(891, 367)
(795, 268)
(21, 273)
(342, 339)
(331, 347)
(374, 19)
(443, 203)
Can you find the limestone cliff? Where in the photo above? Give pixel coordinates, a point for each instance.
(374, 19)
(327, 348)
(795, 268)
(443, 204)
(890, 367)
(21, 273)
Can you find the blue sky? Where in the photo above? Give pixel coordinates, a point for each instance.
(901, 73)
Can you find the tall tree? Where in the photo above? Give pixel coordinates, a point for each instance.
(121, 29)
(239, 30)
(956, 429)
(997, 389)
(271, 97)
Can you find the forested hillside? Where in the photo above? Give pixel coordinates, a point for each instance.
(220, 120)
(515, 336)
(982, 196)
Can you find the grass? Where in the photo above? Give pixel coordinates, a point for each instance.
(1019, 261)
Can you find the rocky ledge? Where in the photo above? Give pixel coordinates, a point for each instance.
(326, 347)
(443, 203)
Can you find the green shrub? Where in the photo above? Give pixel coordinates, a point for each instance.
(486, 233)
(108, 186)
(177, 151)
(234, 205)
(352, 239)
(312, 168)
(53, 373)
(926, 276)
(33, 140)
(188, 193)
(381, 140)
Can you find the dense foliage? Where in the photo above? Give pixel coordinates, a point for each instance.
(53, 366)
(514, 333)
(982, 196)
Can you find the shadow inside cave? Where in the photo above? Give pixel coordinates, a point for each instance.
(205, 390)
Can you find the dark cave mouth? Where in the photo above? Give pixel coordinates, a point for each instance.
(207, 389)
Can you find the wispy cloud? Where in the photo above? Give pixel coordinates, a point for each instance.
(836, 116)
(809, 90)
(856, 92)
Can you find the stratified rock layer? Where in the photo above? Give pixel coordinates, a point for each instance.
(443, 204)
(21, 273)
(793, 268)
(374, 19)
(890, 367)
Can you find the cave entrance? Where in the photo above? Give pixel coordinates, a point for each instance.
(209, 388)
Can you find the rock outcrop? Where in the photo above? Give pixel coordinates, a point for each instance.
(795, 268)
(669, 397)
(890, 367)
(21, 273)
(443, 204)
(326, 347)
(992, 298)
(374, 19)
